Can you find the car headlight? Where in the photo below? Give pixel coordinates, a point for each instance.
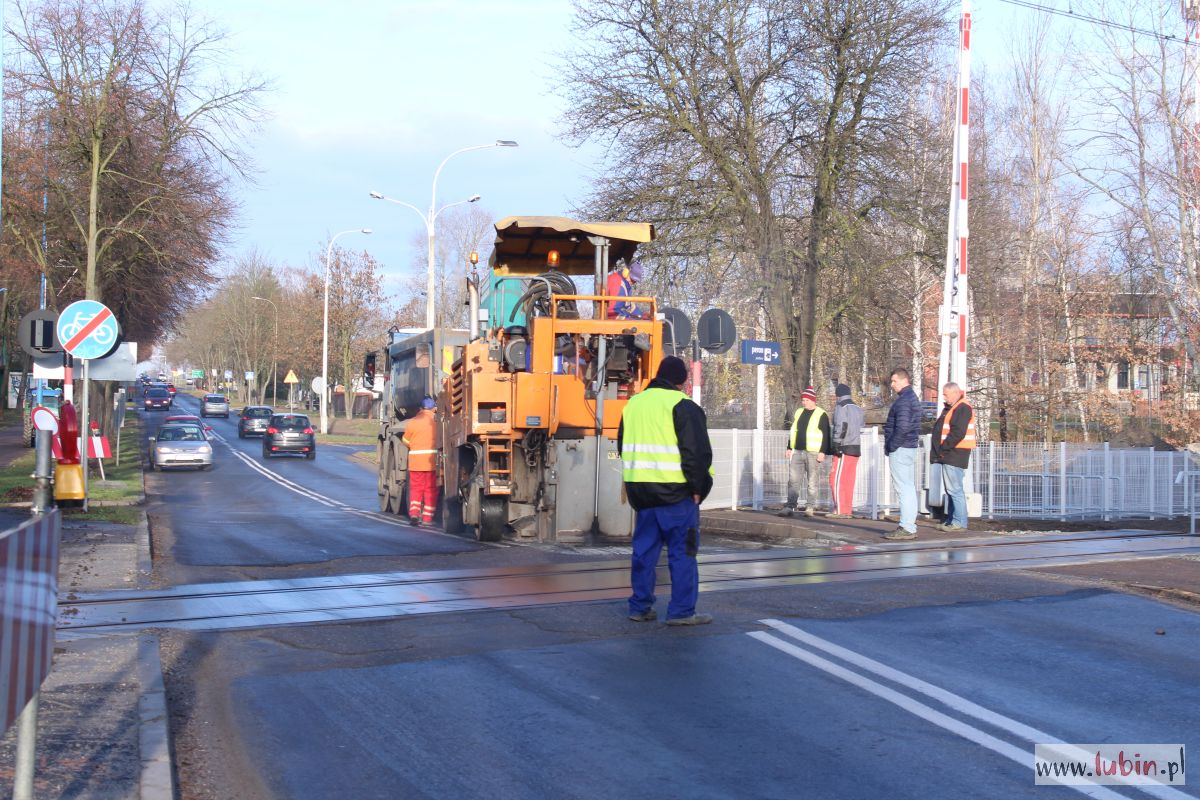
(204, 449)
(164, 449)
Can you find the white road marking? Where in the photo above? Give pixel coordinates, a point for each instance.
(304, 491)
(947, 698)
(969, 732)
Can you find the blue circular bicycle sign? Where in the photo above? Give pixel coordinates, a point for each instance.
(88, 329)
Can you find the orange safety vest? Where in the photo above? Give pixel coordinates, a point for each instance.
(421, 438)
(968, 440)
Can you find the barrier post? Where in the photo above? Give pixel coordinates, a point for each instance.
(1062, 481)
(26, 750)
(734, 477)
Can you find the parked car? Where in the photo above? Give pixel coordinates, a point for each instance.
(290, 433)
(190, 419)
(253, 421)
(180, 445)
(214, 404)
(156, 398)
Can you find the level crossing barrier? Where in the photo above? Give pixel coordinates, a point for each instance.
(1059, 480)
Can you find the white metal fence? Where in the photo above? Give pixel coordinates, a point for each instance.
(1046, 481)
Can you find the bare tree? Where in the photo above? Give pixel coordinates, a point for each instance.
(750, 122)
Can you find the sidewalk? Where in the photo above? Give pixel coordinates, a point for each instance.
(102, 732)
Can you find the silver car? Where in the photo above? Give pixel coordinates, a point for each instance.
(213, 405)
(180, 446)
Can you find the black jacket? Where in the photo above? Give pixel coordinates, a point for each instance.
(695, 451)
(946, 451)
(903, 426)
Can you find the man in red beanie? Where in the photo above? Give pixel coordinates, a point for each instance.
(663, 442)
(808, 444)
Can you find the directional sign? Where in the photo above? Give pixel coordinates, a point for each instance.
(88, 329)
(228, 374)
(318, 384)
(291, 377)
(756, 352)
(249, 375)
(197, 373)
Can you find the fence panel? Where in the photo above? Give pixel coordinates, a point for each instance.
(1015, 479)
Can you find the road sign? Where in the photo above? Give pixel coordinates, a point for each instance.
(36, 333)
(716, 331)
(88, 329)
(44, 419)
(756, 352)
(677, 331)
(214, 373)
(318, 384)
(228, 374)
(291, 377)
(197, 373)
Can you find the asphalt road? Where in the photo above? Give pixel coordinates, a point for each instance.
(576, 702)
(279, 512)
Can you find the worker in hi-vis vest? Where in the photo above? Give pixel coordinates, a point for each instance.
(421, 437)
(809, 442)
(667, 463)
(950, 445)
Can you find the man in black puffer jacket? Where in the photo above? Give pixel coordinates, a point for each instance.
(900, 439)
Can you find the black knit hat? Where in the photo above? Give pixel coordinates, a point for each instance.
(842, 390)
(673, 371)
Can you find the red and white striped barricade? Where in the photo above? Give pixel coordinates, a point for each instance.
(98, 447)
(28, 610)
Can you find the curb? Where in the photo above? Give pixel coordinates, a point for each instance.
(145, 554)
(157, 779)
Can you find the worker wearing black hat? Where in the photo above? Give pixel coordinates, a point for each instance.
(663, 441)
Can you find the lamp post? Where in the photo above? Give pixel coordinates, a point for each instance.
(430, 217)
(274, 349)
(325, 329)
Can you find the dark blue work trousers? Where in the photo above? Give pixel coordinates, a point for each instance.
(655, 527)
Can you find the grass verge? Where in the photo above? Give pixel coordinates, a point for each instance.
(122, 484)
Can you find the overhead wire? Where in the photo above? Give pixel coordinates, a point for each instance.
(1069, 14)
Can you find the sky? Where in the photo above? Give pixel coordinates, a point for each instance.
(373, 94)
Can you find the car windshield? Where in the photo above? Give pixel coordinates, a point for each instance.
(157, 393)
(181, 433)
(214, 398)
(290, 423)
(257, 413)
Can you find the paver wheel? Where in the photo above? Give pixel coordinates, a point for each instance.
(493, 519)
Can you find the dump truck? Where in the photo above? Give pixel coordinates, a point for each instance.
(530, 395)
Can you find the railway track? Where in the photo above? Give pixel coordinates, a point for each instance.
(224, 606)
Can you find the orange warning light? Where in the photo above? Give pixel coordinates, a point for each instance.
(552, 258)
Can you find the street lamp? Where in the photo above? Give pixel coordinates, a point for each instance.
(325, 329)
(274, 351)
(429, 218)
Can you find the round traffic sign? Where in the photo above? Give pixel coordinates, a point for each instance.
(677, 331)
(716, 331)
(88, 329)
(44, 419)
(36, 333)
(318, 384)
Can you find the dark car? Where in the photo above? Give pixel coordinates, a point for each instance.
(290, 433)
(157, 399)
(253, 421)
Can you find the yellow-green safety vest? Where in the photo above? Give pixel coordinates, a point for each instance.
(813, 438)
(649, 446)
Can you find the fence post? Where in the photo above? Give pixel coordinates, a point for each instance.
(1106, 494)
(872, 478)
(991, 482)
(1153, 478)
(733, 473)
(1062, 481)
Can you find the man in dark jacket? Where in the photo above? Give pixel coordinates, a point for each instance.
(900, 439)
(663, 442)
(950, 445)
(847, 448)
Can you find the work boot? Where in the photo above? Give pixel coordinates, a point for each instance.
(414, 521)
(694, 619)
(786, 512)
(899, 534)
(649, 615)
(810, 512)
